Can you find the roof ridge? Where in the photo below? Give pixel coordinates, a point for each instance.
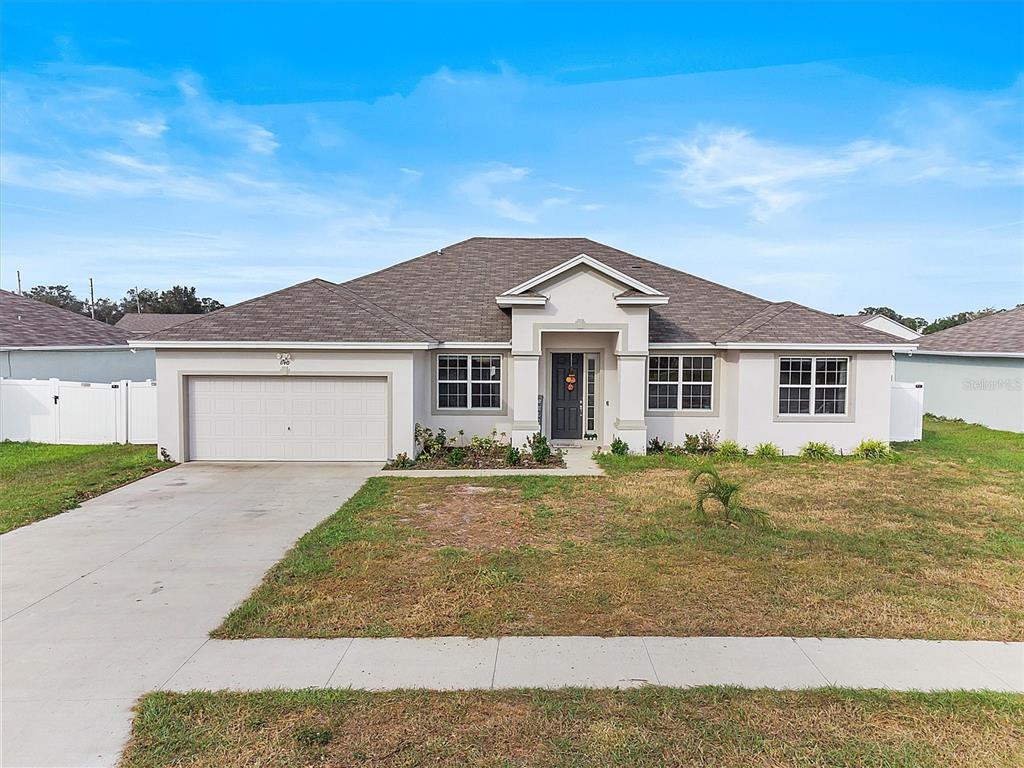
(672, 269)
(832, 317)
(778, 306)
(392, 318)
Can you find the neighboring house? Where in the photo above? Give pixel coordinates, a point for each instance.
(973, 371)
(41, 341)
(884, 324)
(561, 335)
(140, 324)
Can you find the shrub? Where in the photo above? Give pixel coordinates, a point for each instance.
(768, 451)
(818, 451)
(401, 461)
(872, 449)
(619, 447)
(711, 486)
(512, 455)
(455, 457)
(707, 441)
(657, 445)
(730, 449)
(429, 443)
(704, 443)
(539, 447)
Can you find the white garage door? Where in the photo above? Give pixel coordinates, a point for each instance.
(287, 418)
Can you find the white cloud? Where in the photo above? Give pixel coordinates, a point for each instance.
(721, 167)
(479, 189)
(153, 128)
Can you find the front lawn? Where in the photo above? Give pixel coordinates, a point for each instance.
(929, 546)
(571, 727)
(38, 480)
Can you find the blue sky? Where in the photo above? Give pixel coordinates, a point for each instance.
(838, 155)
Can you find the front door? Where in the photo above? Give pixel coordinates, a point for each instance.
(566, 395)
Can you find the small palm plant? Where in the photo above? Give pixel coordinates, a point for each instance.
(711, 486)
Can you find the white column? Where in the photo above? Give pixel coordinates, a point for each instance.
(525, 389)
(630, 425)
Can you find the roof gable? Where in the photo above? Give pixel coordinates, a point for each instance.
(27, 322)
(583, 260)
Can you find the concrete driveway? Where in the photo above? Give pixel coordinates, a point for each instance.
(106, 602)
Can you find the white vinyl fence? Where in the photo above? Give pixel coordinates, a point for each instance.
(907, 411)
(55, 411)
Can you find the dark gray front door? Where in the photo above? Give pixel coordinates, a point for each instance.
(566, 395)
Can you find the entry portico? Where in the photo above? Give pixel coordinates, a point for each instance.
(592, 322)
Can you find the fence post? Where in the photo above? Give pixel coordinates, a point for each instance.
(123, 410)
(55, 405)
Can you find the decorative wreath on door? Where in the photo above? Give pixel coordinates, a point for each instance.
(570, 381)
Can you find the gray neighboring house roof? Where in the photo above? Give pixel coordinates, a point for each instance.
(26, 322)
(449, 295)
(139, 324)
(998, 334)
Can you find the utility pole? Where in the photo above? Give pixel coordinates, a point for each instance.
(19, 283)
(92, 301)
(138, 304)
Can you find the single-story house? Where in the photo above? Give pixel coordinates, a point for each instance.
(973, 371)
(564, 336)
(143, 323)
(41, 341)
(885, 324)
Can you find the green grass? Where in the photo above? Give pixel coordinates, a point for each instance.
(573, 728)
(924, 546)
(38, 480)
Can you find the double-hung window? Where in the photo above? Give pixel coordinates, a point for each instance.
(469, 381)
(813, 385)
(680, 382)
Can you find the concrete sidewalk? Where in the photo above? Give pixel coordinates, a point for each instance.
(553, 662)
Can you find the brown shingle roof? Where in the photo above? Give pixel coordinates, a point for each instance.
(136, 324)
(789, 323)
(313, 311)
(26, 322)
(449, 295)
(1002, 332)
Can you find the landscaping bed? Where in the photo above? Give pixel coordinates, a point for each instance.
(439, 451)
(39, 480)
(927, 546)
(571, 727)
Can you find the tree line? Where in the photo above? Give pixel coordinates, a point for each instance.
(921, 325)
(176, 300)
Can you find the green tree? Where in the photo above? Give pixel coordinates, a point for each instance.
(913, 323)
(960, 318)
(58, 296)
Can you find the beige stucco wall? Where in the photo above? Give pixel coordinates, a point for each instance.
(746, 389)
(173, 366)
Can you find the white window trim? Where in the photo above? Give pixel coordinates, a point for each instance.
(679, 387)
(438, 381)
(813, 386)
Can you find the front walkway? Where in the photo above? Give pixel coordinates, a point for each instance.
(554, 662)
(106, 602)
